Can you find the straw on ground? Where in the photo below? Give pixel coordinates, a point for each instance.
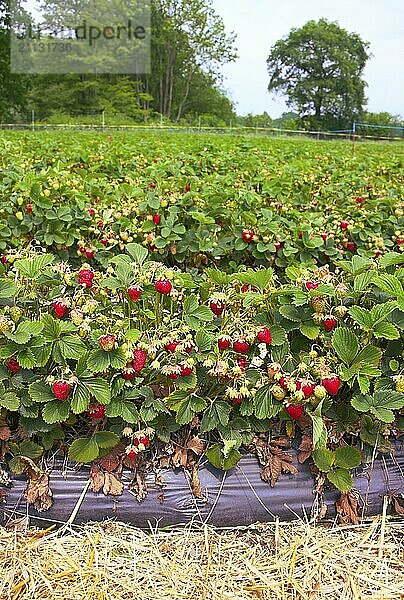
(112, 561)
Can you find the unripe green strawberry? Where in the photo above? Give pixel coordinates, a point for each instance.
(319, 304)
(278, 392)
(399, 387)
(15, 313)
(77, 317)
(5, 324)
(341, 291)
(320, 392)
(340, 311)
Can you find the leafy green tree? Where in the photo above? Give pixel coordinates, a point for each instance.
(319, 68)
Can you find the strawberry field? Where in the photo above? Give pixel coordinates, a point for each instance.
(167, 297)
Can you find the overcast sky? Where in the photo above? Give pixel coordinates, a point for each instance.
(260, 23)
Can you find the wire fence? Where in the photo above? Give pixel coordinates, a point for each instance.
(102, 125)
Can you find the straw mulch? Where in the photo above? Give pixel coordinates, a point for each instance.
(281, 560)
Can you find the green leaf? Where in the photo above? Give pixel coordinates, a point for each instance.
(56, 411)
(30, 449)
(389, 284)
(51, 328)
(133, 335)
(216, 457)
(204, 340)
(380, 312)
(278, 335)
(84, 450)
(41, 354)
(98, 361)
(347, 457)
(323, 459)
(370, 355)
(310, 330)
(391, 258)
(188, 408)
(71, 346)
(217, 414)
(8, 288)
(361, 316)
(40, 392)
(362, 281)
(290, 312)
(137, 252)
(81, 399)
(341, 478)
(99, 389)
(31, 268)
(9, 401)
(26, 358)
(117, 358)
(386, 330)
(218, 277)
(345, 344)
(319, 430)
(265, 406)
(106, 439)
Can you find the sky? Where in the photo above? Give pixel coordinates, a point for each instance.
(260, 23)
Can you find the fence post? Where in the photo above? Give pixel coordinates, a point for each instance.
(33, 119)
(103, 120)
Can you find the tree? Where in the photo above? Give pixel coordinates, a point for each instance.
(319, 68)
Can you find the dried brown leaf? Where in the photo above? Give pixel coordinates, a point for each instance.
(196, 445)
(180, 457)
(113, 460)
(306, 448)
(398, 504)
(139, 487)
(347, 509)
(112, 485)
(20, 524)
(97, 478)
(38, 492)
(196, 486)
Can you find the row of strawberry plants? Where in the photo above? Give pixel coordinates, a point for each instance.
(141, 356)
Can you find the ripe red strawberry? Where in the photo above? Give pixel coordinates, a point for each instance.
(217, 307)
(188, 187)
(131, 454)
(247, 235)
(329, 323)
(139, 360)
(359, 200)
(171, 346)
(129, 373)
(279, 245)
(324, 236)
(163, 286)
(144, 439)
(223, 343)
(331, 384)
(400, 241)
(237, 400)
(156, 219)
(294, 411)
(152, 186)
(264, 336)
(351, 246)
(311, 285)
(344, 224)
(308, 389)
(107, 342)
(249, 288)
(283, 384)
(89, 253)
(13, 365)
(61, 389)
(97, 411)
(29, 208)
(186, 370)
(60, 308)
(134, 293)
(86, 277)
(91, 211)
(188, 347)
(100, 224)
(242, 362)
(241, 346)
(104, 242)
(173, 376)
(4, 260)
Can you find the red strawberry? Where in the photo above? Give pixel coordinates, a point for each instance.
(311, 285)
(100, 224)
(97, 411)
(237, 400)
(152, 186)
(163, 286)
(86, 276)
(331, 384)
(171, 346)
(308, 389)
(139, 360)
(104, 242)
(173, 376)
(247, 235)
(107, 342)
(241, 346)
(283, 384)
(131, 454)
(344, 224)
(217, 307)
(223, 343)
(294, 411)
(29, 208)
(324, 236)
(61, 389)
(249, 288)
(359, 200)
(89, 253)
(351, 246)
(329, 323)
(400, 241)
(13, 365)
(188, 187)
(144, 439)
(91, 211)
(188, 347)
(60, 308)
(242, 362)
(4, 260)
(134, 293)
(156, 219)
(129, 373)
(279, 245)
(186, 370)
(264, 336)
